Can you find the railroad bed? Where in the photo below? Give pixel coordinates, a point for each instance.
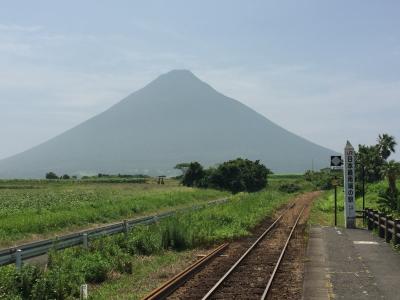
(257, 267)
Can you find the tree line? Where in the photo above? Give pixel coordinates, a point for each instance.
(236, 175)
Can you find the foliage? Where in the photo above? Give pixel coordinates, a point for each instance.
(289, 187)
(43, 207)
(65, 176)
(386, 145)
(193, 174)
(183, 167)
(235, 176)
(69, 268)
(389, 200)
(323, 179)
(323, 208)
(51, 175)
(240, 175)
(369, 158)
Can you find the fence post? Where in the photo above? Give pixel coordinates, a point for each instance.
(374, 212)
(85, 241)
(387, 232)
(381, 231)
(18, 259)
(395, 232)
(370, 224)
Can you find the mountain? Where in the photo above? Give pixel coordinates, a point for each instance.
(175, 118)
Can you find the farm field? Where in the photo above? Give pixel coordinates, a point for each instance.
(33, 209)
(113, 265)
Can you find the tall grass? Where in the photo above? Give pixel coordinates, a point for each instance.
(322, 212)
(64, 206)
(106, 256)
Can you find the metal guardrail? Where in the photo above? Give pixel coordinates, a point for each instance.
(387, 228)
(18, 253)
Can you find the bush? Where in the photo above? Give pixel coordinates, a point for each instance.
(144, 240)
(8, 286)
(240, 175)
(235, 176)
(289, 188)
(51, 175)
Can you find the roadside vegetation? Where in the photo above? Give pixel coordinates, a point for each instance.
(31, 209)
(379, 173)
(115, 261)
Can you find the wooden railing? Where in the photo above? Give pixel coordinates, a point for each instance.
(387, 227)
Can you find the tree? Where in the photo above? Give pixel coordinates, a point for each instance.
(369, 158)
(183, 167)
(240, 175)
(386, 145)
(390, 197)
(65, 176)
(193, 175)
(51, 175)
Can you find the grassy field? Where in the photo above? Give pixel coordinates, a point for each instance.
(37, 209)
(117, 265)
(322, 212)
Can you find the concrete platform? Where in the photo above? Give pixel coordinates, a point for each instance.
(350, 264)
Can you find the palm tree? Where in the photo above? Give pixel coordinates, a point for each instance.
(391, 170)
(386, 144)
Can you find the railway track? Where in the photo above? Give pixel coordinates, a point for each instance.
(251, 275)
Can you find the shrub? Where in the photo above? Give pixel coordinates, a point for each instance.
(8, 287)
(240, 175)
(51, 175)
(289, 188)
(144, 240)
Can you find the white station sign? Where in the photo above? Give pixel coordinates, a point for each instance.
(349, 186)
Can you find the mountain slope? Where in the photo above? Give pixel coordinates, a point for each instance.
(176, 118)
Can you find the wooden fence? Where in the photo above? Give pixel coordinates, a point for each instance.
(386, 226)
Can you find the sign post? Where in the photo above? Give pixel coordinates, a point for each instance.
(336, 164)
(349, 186)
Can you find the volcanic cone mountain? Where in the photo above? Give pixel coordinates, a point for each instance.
(176, 118)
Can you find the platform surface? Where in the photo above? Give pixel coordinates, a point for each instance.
(350, 264)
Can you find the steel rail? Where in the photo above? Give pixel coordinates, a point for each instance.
(174, 283)
(38, 248)
(271, 278)
(222, 279)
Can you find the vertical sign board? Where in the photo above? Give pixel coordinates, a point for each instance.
(349, 186)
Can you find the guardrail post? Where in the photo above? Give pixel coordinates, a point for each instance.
(387, 232)
(18, 259)
(126, 228)
(381, 231)
(85, 241)
(396, 230)
(83, 292)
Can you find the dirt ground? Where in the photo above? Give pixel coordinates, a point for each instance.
(248, 281)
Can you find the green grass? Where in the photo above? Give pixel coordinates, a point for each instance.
(149, 273)
(322, 212)
(32, 209)
(125, 265)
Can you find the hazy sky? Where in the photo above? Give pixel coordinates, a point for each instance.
(326, 70)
